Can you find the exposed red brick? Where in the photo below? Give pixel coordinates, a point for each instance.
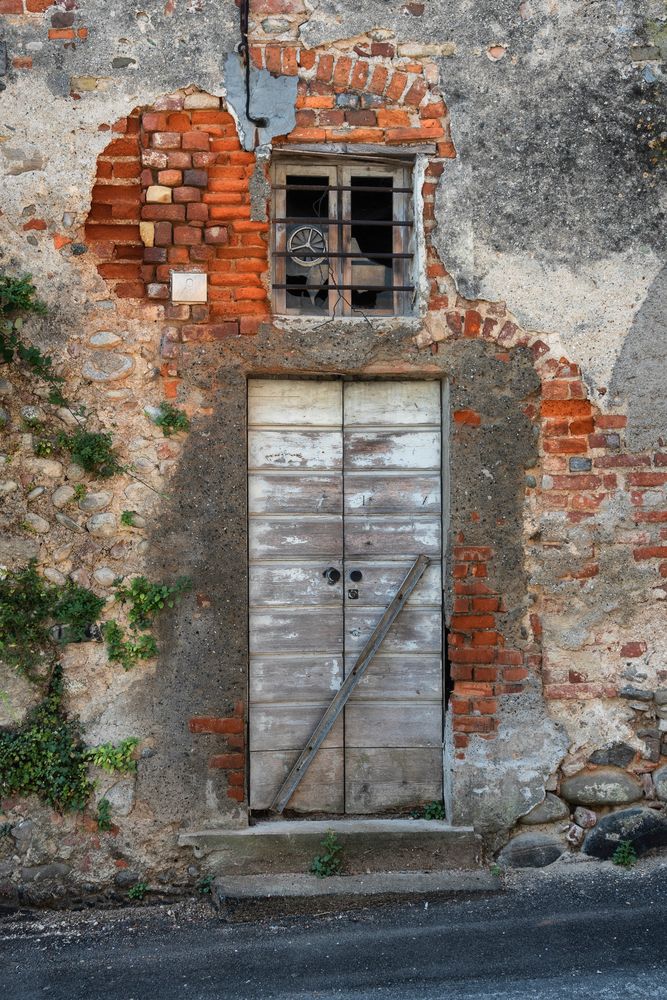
(647, 478)
(325, 68)
(633, 649)
(650, 552)
(212, 724)
(227, 760)
(468, 417)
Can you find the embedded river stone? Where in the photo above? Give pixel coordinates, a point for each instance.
(646, 829)
(104, 340)
(95, 501)
(43, 467)
(102, 525)
(617, 754)
(604, 787)
(660, 782)
(36, 523)
(531, 850)
(62, 496)
(548, 811)
(107, 366)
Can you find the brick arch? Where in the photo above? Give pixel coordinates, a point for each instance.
(185, 150)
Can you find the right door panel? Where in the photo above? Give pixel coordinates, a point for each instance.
(392, 513)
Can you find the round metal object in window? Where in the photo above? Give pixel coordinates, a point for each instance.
(307, 245)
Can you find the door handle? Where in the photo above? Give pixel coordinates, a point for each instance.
(331, 575)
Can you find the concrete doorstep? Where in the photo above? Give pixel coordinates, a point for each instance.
(370, 845)
(253, 895)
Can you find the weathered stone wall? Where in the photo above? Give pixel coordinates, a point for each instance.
(126, 155)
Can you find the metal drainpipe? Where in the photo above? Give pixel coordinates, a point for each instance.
(244, 52)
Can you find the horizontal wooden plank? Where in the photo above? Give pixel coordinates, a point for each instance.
(392, 450)
(389, 402)
(311, 630)
(393, 724)
(298, 493)
(289, 726)
(321, 789)
(386, 536)
(295, 584)
(283, 449)
(389, 493)
(414, 631)
(308, 538)
(293, 402)
(379, 582)
(407, 677)
(383, 779)
(293, 679)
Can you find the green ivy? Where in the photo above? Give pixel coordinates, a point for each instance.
(29, 606)
(104, 815)
(26, 607)
(43, 447)
(19, 296)
(171, 419)
(77, 607)
(330, 862)
(46, 756)
(138, 891)
(114, 758)
(432, 810)
(127, 652)
(147, 599)
(93, 451)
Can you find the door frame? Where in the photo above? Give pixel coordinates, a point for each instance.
(415, 375)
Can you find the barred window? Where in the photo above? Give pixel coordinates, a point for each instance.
(342, 237)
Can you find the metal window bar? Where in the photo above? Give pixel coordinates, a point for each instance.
(340, 187)
(316, 220)
(341, 253)
(354, 288)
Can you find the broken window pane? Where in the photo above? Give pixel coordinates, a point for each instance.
(307, 266)
(372, 269)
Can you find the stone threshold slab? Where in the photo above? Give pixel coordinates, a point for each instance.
(370, 845)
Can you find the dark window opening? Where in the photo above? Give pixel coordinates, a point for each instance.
(342, 239)
(374, 265)
(307, 266)
(449, 683)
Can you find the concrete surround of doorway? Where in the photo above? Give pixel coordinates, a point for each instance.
(203, 533)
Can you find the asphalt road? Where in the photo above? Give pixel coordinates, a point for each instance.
(592, 932)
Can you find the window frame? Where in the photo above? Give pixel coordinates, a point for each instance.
(339, 169)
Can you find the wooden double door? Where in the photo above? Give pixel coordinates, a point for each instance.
(344, 492)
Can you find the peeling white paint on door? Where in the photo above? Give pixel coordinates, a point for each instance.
(365, 501)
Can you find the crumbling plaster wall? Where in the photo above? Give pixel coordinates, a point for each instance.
(553, 203)
(553, 213)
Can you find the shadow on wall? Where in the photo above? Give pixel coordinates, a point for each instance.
(639, 372)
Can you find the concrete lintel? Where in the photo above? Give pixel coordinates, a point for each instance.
(361, 148)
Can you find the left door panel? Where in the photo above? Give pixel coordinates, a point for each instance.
(295, 509)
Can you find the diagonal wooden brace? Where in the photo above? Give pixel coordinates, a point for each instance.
(325, 724)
